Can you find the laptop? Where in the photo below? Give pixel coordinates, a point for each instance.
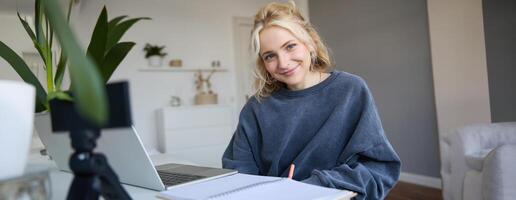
(122, 146)
(127, 156)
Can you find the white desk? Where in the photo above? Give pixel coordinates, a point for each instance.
(60, 181)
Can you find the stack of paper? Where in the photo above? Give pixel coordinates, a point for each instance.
(243, 186)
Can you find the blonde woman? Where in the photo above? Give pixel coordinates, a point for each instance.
(323, 121)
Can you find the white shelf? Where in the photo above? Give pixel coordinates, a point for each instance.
(180, 69)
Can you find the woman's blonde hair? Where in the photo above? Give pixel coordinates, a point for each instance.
(286, 16)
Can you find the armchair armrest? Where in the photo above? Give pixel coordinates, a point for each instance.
(479, 138)
(499, 176)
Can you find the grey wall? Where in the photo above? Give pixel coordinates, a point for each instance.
(387, 43)
(500, 38)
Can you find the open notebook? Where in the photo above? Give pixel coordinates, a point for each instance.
(243, 186)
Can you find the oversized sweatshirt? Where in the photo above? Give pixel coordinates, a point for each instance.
(330, 131)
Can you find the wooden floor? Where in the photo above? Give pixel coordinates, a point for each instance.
(408, 191)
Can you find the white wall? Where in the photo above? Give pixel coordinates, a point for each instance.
(196, 31)
(14, 36)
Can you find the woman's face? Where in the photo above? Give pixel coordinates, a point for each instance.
(285, 57)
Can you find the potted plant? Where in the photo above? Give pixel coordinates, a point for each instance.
(154, 54)
(89, 71)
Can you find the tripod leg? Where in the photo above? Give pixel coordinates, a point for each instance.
(111, 187)
(84, 188)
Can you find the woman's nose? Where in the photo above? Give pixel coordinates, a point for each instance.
(283, 60)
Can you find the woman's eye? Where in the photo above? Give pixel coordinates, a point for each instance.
(291, 46)
(268, 57)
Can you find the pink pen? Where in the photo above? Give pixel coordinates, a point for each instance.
(291, 171)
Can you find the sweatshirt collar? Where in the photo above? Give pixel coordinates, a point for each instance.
(307, 91)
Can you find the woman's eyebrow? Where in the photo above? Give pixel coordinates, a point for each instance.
(265, 53)
(286, 43)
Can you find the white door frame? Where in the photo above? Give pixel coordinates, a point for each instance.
(243, 64)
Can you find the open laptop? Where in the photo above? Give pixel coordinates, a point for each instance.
(123, 148)
(128, 158)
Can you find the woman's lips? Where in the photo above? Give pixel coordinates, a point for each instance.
(290, 72)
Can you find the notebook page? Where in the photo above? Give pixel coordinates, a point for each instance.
(249, 187)
(205, 189)
(287, 189)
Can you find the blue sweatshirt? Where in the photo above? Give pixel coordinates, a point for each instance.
(330, 131)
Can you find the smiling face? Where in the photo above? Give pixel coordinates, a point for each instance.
(286, 58)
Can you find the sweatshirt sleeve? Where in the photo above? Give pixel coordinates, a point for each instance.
(368, 164)
(239, 153)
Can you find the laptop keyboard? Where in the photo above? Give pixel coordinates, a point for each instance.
(171, 179)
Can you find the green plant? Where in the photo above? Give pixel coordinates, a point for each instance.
(88, 71)
(154, 50)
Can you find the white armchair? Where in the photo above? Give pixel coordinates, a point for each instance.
(479, 162)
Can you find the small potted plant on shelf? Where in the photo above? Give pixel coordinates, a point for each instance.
(154, 54)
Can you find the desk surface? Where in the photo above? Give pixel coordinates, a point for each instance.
(60, 181)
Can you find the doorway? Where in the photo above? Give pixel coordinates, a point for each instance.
(244, 64)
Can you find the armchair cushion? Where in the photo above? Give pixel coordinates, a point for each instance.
(475, 160)
(472, 185)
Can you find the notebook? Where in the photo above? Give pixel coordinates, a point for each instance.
(250, 187)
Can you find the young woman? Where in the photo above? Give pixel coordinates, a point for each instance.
(325, 122)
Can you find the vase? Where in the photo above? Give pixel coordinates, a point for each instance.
(42, 125)
(206, 98)
(155, 61)
(16, 126)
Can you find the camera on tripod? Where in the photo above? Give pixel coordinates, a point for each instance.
(93, 177)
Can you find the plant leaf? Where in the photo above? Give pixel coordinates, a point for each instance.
(70, 5)
(37, 19)
(51, 41)
(89, 92)
(26, 74)
(114, 57)
(48, 56)
(61, 66)
(112, 23)
(119, 30)
(40, 36)
(27, 27)
(41, 42)
(32, 36)
(59, 95)
(96, 48)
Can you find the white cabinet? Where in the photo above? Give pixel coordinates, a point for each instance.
(199, 134)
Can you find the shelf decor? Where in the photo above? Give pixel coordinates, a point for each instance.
(205, 94)
(154, 54)
(175, 63)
